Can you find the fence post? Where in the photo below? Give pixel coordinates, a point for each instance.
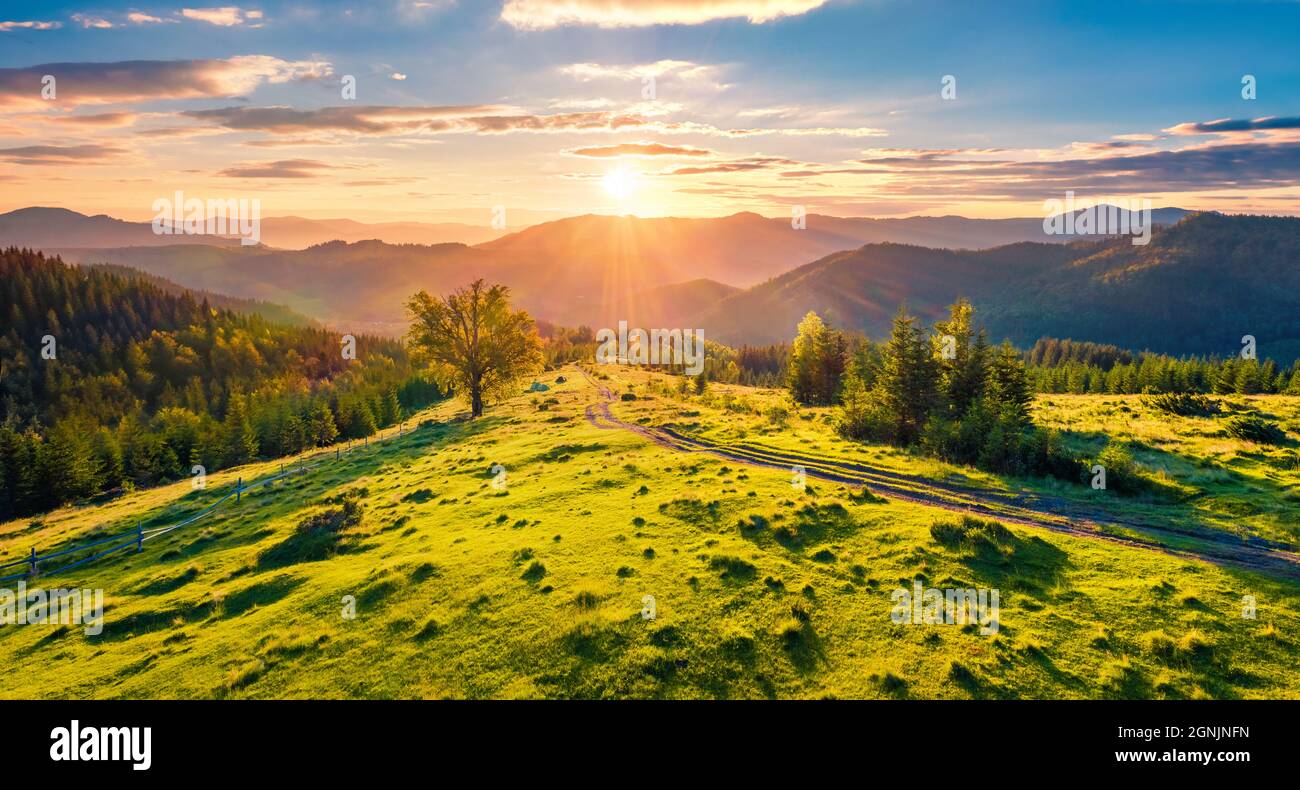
(139, 537)
(239, 489)
(32, 572)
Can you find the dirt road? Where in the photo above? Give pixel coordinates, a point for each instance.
(1022, 509)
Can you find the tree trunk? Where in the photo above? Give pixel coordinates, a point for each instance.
(475, 402)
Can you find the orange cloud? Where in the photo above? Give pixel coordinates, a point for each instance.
(284, 168)
(638, 149)
(150, 80)
(58, 154)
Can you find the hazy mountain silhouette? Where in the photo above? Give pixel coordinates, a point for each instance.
(296, 233)
(43, 228)
(596, 270)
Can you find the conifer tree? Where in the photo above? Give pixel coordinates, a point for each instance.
(907, 382)
(1008, 385)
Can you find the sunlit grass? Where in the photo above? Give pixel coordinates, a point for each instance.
(462, 589)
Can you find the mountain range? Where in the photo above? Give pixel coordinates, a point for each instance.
(1202, 283)
(41, 227)
(1198, 287)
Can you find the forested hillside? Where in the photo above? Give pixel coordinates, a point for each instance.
(109, 381)
(1196, 289)
(275, 313)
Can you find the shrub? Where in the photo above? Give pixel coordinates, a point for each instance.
(317, 537)
(973, 534)
(1184, 404)
(733, 567)
(999, 445)
(586, 600)
(1160, 645)
(1253, 429)
(1122, 472)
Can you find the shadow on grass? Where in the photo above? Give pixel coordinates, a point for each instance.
(1000, 557)
(222, 528)
(1167, 507)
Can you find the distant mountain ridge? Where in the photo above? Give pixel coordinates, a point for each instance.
(43, 228)
(294, 233)
(1197, 288)
(46, 228)
(741, 249)
(861, 289)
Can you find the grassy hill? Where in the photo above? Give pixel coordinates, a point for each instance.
(535, 588)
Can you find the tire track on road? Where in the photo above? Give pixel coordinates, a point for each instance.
(1251, 553)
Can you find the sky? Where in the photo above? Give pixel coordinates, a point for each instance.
(538, 109)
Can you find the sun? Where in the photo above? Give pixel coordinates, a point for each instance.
(620, 183)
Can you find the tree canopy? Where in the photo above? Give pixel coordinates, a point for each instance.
(474, 341)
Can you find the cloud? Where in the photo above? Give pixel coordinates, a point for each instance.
(415, 10)
(55, 154)
(638, 149)
(733, 166)
(109, 120)
(1104, 147)
(482, 119)
(924, 157)
(149, 80)
(138, 18)
(768, 112)
(92, 21)
(1253, 164)
(7, 26)
(363, 119)
(287, 142)
(1228, 125)
(397, 75)
(545, 14)
(224, 16)
(177, 132)
(683, 69)
(820, 131)
(581, 104)
(388, 120)
(562, 122)
(283, 168)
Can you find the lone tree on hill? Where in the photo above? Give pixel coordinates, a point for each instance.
(474, 341)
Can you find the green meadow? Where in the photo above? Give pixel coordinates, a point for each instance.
(410, 568)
